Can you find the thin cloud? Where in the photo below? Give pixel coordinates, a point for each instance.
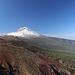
(64, 36)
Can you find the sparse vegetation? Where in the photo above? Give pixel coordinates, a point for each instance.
(68, 59)
(52, 43)
(28, 54)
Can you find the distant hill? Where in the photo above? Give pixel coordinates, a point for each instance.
(53, 43)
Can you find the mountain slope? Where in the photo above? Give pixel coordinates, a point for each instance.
(15, 60)
(52, 43)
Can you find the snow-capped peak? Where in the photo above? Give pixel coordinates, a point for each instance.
(24, 31)
(23, 28)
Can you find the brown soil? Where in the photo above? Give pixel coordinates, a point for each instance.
(27, 62)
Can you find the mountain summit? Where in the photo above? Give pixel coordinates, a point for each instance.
(22, 32)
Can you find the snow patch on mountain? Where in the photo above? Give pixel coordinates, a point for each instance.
(24, 31)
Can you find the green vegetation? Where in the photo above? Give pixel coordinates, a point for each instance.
(52, 43)
(68, 59)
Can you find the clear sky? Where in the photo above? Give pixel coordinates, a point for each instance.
(50, 17)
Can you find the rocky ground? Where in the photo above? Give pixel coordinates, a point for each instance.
(19, 61)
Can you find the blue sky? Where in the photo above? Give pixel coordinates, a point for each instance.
(50, 17)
